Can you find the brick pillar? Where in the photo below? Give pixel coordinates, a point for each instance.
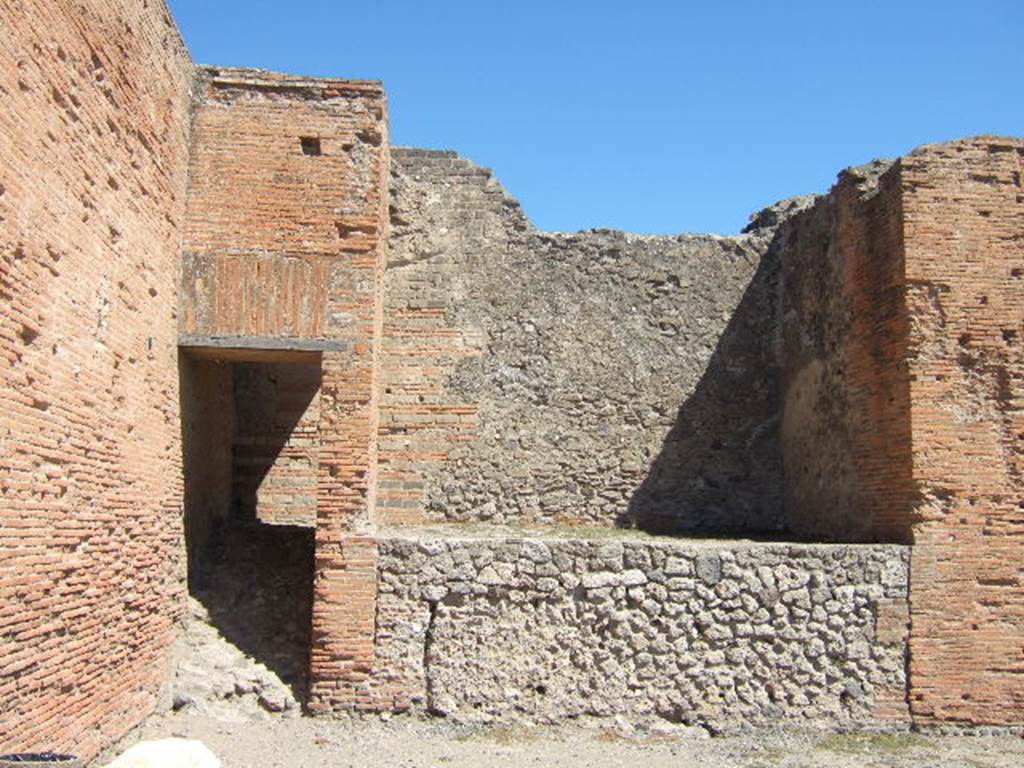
(964, 235)
(342, 658)
(345, 586)
(345, 604)
(903, 320)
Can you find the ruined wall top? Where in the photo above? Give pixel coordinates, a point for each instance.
(287, 201)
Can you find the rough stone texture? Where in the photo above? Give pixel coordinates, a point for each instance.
(93, 152)
(217, 679)
(575, 378)
(257, 588)
(904, 308)
(722, 634)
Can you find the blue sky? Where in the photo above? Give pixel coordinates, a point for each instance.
(650, 116)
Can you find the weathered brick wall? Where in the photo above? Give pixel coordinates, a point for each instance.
(93, 153)
(287, 221)
(963, 224)
(588, 378)
(283, 223)
(845, 430)
(903, 312)
(723, 634)
(275, 452)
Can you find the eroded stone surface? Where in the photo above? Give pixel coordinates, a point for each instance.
(719, 634)
(587, 377)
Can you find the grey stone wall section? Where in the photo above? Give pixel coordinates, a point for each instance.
(724, 635)
(619, 379)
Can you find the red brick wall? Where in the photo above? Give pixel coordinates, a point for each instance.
(904, 398)
(284, 243)
(93, 146)
(845, 421)
(964, 231)
(280, 242)
(276, 441)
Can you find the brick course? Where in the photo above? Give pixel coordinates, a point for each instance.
(93, 152)
(902, 417)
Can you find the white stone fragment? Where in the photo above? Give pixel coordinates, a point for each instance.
(167, 753)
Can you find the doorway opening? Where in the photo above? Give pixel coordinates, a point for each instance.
(250, 421)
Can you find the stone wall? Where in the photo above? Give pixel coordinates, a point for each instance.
(93, 155)
(726, 634)
(588, 378)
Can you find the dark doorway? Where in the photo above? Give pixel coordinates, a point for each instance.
(249, 436)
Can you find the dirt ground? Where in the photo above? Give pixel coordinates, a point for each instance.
(409, 742)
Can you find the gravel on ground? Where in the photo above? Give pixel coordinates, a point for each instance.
(414, 742)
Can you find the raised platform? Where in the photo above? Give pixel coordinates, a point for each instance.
(726, 633)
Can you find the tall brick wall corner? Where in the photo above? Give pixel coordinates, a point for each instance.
(93, 157)
(964, 233)
(903, 311)
(845, 390)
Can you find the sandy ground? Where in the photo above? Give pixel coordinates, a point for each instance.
(410, 742)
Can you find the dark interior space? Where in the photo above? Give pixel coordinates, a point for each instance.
(249, 434)
(258, 589)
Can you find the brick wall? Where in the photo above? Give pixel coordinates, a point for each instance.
(283, 222)
(276, 442)
(845, 430)
(964, 231)
(903, 313)
(287, 220)
(93, 145)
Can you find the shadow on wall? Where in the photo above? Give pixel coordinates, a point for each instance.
(259, 594)
(255, 580)
(274, 460)
(207, 433)
(719, 470)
